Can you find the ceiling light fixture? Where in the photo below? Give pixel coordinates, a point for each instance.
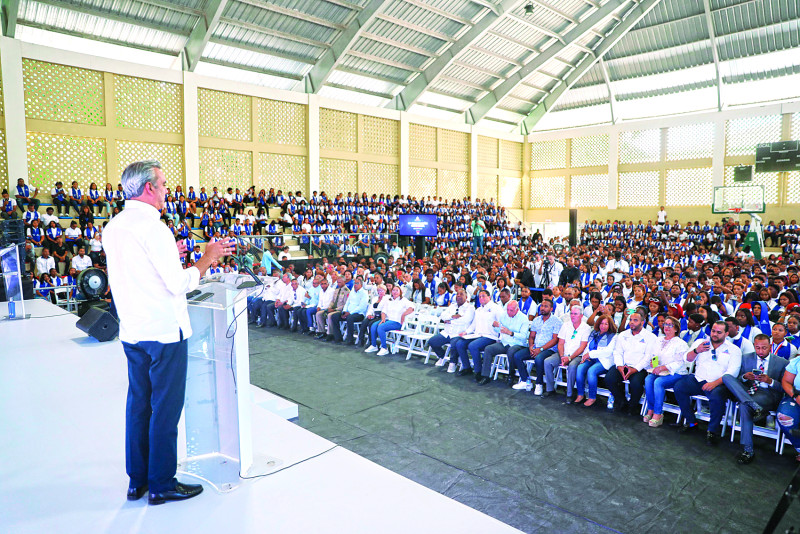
(529, 8)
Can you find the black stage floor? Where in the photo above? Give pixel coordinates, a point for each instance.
(533, 463)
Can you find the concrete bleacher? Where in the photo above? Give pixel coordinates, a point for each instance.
(273, 213)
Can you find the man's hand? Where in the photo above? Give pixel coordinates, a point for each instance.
(181, 248)
(496, 324)
(535, 351)
(564, 360)
(703, 347)
(708, 386)
(749, 376)
(345, 314)
(218, 249)
(764, 378)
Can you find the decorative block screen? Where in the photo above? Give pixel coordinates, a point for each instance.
(148, 104)
(640, 146)
(793, 188)
(638, 189)
(422, 142)
(770, 181)
(61, 93)
(422, 182)
(589, 151)
(511, 155)
(548, 191)
(338, 130)
(549, 155)
(487, 152)
(510, 194)
(796, 126)
(487, 186)
(282, 171)
(338, 176)
(691, 141)
(170, 157)
(380, 136)
(453, 184)
(455, 147)
(689, 187)
(225, 168)
(4, 160)
(742, 135)
(283, 123)
(379, 178)
(65, 158)
(224, 115)
(588, 190)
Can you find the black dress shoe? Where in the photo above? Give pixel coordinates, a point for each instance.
(180, 493)
(548, 394)
(464, 372)
(712, 439)
(759, 414)
(134, 494)
(320, 336)
(484, 380)
(569, 400)
(686, 429)
(745, 458)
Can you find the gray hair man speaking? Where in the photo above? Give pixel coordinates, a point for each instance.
(150, 287)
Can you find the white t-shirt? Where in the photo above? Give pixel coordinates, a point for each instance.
(573, 337)
(662, 217)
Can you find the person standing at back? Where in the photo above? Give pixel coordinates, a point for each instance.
(150, 287)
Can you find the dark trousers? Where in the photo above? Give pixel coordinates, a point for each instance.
(437, 343)
(350, 322)
(363, 332)
(717, 397)
(156, 390)
(616, 386)
(60, 204)
(21, 203)
(283, 317)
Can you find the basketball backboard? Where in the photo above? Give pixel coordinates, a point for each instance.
(742, 199)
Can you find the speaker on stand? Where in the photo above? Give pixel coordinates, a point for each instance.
(573, 227)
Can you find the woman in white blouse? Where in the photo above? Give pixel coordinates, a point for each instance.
(392, 316)
(377, 303)
(667, 367)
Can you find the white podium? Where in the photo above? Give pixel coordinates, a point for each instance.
(217, 416)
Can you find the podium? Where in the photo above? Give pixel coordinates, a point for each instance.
(217, 411)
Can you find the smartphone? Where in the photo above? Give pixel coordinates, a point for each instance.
(757, 372)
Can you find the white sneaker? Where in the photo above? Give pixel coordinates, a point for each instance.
(440, 362)
(538, 390)
(452, 368)
(383, 352)
(520, 385)
(371, 348)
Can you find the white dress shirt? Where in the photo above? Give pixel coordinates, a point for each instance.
(146, 276)
(296, 297)
(466, 313)
(43, 265)
(325, 298)
(728, 361)
(485, 316)
(635, 350)
(79, 264)
(395, 308)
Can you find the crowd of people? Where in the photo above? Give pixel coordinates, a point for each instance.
(683, 309)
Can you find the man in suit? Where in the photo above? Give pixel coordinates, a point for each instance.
(758, 390)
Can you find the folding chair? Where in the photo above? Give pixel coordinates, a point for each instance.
(758, 430)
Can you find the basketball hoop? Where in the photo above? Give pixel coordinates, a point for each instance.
(735, 212)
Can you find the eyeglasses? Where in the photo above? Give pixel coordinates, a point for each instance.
(714, 354)
(668, 324)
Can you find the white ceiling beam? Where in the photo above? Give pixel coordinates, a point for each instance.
(196, 42)
(417, 28)
(629, 20)
(293, 13)
(275, 33)
(489, 101)
(439, 11)
(714, 51)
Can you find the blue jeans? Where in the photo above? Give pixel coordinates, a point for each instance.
(307, 317)
(437, 343)
(519, 359)
(789, 420)
(378, 330)
(655, 388)
(589, 374)
(477, 244)
(475, 348)
(688, 386)
(156, 390)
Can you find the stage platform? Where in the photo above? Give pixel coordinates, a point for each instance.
(62, 462)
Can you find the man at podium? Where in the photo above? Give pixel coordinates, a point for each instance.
(150, 287)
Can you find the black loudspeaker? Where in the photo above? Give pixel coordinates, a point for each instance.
(12, 232)
(573, 227)
(98, 324)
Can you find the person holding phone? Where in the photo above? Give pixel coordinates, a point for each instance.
(714, 356)
(758, 390)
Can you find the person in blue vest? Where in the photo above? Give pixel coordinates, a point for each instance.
(95, 199)
(8, 210)
(119, 197)
(76, 198)
(25, 196)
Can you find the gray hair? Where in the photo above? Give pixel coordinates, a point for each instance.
(136, 175)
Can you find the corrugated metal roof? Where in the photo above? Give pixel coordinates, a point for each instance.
(667, 53)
